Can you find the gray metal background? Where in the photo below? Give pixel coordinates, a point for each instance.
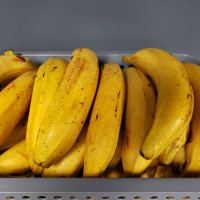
(102, 25)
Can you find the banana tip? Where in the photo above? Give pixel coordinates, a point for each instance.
(145, 157)
(126, 59)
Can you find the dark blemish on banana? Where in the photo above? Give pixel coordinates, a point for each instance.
(43, 75)
(178, 84)
(21, 58)
(116, 109)
(55, 68)
(71, 57)
(188, 96)
(97, 116)
(82, 122)
(81, 88)
(118, 94)
(149, 85)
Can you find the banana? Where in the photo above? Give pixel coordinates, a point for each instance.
(105, 121)
(150, 171)
(166, 157)
(68, 109)
(175, 99)
(71, 164)
(17, 135)
(49, 76)
(139, 115)
(116, 172)
(12, 66)
(28, 174)
(15, 160)
(164, 172)
(193, 143)
(118, 153)
(179, 161)
(14, 102)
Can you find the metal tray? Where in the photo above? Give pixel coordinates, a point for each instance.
(98, 188)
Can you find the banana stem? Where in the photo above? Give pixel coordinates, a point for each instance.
(127, 59)
(9, 52)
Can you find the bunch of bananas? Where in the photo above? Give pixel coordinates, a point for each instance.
(69, 119)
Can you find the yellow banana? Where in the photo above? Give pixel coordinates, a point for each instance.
(14, 102)
(118, 153)
(193, 143)
(139, 115)
(15, 160)
(72, 162)
(68, 109)
(164, 172)
(17, 135)
(150, 171)
(12, 66)
(175, 99)
(166, 157)
(105, 121)
(49, 76)
(116, 172)
(179, 161)
(28, 174)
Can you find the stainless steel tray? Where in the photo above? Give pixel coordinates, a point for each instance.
(98, 188)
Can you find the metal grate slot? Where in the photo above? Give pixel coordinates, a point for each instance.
(26, 197)
(42, 197)
(58, 197)
(10, 197)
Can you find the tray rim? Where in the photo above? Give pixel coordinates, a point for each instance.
(97, 185)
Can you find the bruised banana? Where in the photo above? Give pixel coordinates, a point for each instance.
(175, 99)
(12, 66)
(17, 135)
(49, 76)
(68, 110)
(71, 164)
(118, 154)
(105, 121)
(139, 115)
(15, 160)
(179, 161)
(14, 102)
(193, 143)
(166, 157)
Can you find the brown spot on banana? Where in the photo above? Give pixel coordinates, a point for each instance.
(20, 58)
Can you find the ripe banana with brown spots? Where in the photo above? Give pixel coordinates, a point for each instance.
(14, 102)
(48, 79)
(175, 99)
(139, 116)
(15, 161)
(68, 110)
(105, 121)
(12, 66)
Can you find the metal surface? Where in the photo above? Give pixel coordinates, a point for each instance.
(98, 188)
